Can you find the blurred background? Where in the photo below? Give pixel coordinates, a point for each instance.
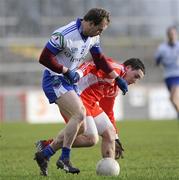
(137, 28)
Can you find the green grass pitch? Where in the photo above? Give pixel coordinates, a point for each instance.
(151, 152)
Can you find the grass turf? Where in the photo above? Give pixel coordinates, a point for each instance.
(151, 152)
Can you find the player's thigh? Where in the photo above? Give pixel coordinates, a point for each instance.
(103, 123)
(90, 126)
(90, 130)
(70, 104)
(174, 93)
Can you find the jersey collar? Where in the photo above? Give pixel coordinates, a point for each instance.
(172, 44)
(78, 23)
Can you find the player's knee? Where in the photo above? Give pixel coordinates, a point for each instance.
(93, 140)
(80, 113)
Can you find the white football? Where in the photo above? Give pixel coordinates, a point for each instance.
(107, 167)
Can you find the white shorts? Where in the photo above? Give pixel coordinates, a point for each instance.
(55, 86)
(97, 125)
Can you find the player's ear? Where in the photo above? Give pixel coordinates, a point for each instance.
(128, 67)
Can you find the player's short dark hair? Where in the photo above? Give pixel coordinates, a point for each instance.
(135, 63)
(96, 15)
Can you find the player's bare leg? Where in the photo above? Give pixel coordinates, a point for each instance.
(90, 135)
(85, 141)
(73, 109)
(174, 97)
(87, 136)
(82, 140)
(57, 142)
(108, 143)
(107, 131)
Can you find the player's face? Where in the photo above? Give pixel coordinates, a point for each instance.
(133, 75)
(172, 35)
(94, 30)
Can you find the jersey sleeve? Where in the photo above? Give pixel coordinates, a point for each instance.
(107, 104)
(48, 59)
(98, 57)
(56, 43)
(96, 49)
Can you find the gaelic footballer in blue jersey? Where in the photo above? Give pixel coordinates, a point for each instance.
(168, 56)
(62, 55)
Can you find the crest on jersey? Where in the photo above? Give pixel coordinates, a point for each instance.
(57, 39)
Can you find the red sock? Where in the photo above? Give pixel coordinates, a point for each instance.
(47, 142)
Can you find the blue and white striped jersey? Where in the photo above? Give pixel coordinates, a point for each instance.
(70, 46)
(168, 56)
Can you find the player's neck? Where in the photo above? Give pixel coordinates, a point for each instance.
(171, 43)
(82, 30)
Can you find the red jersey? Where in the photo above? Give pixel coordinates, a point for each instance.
(98, 90)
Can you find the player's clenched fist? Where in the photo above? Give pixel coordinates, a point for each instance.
(72, 76)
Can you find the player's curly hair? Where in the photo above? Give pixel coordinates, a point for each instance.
(96, 15)
(135, 63)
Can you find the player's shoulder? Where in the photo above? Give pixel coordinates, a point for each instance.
(113, 62)
(163, 46)
(63, 30)
(116, 65)
(177, 43)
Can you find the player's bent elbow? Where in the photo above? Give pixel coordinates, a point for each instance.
(40, 60)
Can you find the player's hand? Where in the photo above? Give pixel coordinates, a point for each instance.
(118, 149)
(122, 84)
(72, 76)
